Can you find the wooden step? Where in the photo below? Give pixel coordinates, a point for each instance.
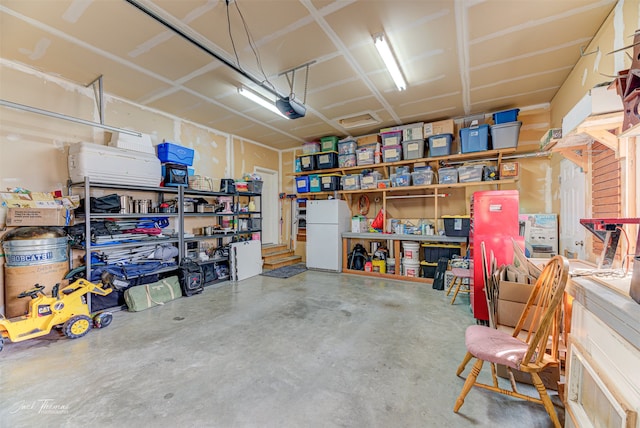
(277, 255)
(286, 261)
(268, 249)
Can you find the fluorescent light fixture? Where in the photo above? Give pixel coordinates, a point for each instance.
(389, 61)
(261, 101)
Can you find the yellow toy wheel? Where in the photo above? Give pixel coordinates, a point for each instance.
(77, 326)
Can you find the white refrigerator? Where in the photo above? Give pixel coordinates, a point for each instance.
(326, 220)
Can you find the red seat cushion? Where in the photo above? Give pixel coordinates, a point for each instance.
(495, 346)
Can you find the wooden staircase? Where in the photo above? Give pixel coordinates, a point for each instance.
(275, 256)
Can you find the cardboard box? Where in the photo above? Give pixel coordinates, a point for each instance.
(509, 169)
(59, 216)
(512, 298)
(368, 139)
(439, 127)
(359, 224)
(540, 234)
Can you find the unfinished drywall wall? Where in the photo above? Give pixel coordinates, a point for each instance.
(33, 148)
(599, 64)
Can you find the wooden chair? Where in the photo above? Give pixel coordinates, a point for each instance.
(459, 275)
(528, 351)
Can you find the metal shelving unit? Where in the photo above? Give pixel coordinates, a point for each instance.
(177, 193)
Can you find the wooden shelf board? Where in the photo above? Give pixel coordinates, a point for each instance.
(448, 158)
(396, 277)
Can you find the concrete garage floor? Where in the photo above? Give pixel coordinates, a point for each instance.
(314, 350)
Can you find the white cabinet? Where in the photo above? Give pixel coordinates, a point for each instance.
(603, 379)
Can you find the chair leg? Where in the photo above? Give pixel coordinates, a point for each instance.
(453, 281)
(471, 379)
(494, 375)
(463, 364)
(546, 401)
(455, 294)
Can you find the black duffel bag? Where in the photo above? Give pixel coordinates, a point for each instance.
(103, 204)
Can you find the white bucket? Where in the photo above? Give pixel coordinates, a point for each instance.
(411, 250)
(410, 268)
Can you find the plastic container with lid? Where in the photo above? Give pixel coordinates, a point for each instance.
(310, 147)
(456, 225)
(474, 138)
(391, 153)
(413, 149)
(329, 144)
(347, 147)
(440, 145)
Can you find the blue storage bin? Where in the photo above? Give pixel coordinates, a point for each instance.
(169, 152)
(506, 116)
(440, 145)
(314, 183)
(474, 139)
(302, 184)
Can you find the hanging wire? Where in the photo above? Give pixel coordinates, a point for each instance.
(233, 45)
(251, 43)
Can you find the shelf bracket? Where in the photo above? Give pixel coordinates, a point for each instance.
(99, 94)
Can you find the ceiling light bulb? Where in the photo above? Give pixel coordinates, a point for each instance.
(389, 61)
(261, 101)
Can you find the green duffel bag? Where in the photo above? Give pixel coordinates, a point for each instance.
(146, 296)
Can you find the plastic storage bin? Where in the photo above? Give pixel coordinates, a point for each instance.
(384, 183)
(432, 252)
(314, 183)
(329, 144)
(391, 153)
(254, 186)
(170, 152)
(506, 135)
(422, 177)
(302, 184)
(310, 148)
(456, 225)
(308, 162)
(326, 160)
(365, 155)
(400, 180)
(413, 149)
(470, 173)
(370, 181)
(474, 139)
(346, 161)
(427, 269)
(391, 138)
(330, 182)
(506, 116)
(440, 145)
(351, 182)
(347, 147)
(447, 175)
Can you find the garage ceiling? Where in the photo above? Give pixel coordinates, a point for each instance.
(459, 57)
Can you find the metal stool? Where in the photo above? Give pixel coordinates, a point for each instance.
(459, 274)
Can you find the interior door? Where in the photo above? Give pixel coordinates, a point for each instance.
(572, 208)
(269, 205)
